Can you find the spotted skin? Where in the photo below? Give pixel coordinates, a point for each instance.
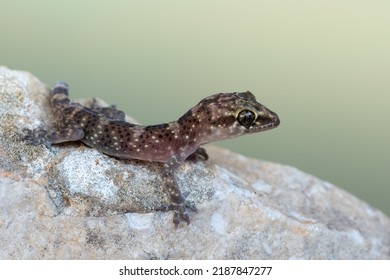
(217, 117)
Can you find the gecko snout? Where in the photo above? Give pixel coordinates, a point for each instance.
(275, 120)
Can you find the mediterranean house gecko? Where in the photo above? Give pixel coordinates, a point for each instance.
(217, 117)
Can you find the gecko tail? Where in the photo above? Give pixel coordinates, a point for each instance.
(60, 87)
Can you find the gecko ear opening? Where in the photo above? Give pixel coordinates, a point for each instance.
(246, 117)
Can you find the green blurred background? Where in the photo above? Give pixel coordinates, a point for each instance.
(323, 66)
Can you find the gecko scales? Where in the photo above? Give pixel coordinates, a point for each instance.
(217, 117)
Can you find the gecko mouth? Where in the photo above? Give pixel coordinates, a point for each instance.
(274, 122)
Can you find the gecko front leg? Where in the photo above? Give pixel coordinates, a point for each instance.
(179, 204)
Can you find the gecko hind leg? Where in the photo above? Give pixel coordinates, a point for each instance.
(40, 136)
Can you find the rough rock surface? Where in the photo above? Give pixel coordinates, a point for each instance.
(69, 202)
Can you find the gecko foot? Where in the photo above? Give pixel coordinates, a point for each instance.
(180, 211)
(35, 137)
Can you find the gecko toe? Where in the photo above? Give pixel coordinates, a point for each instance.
(180, 211)
(181, 215)
(190, 205)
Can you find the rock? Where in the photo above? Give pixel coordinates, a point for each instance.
(72, 202)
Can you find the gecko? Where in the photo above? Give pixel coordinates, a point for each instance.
(217, 117)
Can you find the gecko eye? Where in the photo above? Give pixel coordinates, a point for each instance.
(246, 117)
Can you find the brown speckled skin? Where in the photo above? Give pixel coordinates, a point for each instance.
(218, 117)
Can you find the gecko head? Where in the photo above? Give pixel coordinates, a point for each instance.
(229, 115)
(252, 115)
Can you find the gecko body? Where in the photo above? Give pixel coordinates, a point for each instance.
(217, 117)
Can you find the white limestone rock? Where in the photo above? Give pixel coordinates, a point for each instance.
(72, 202)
